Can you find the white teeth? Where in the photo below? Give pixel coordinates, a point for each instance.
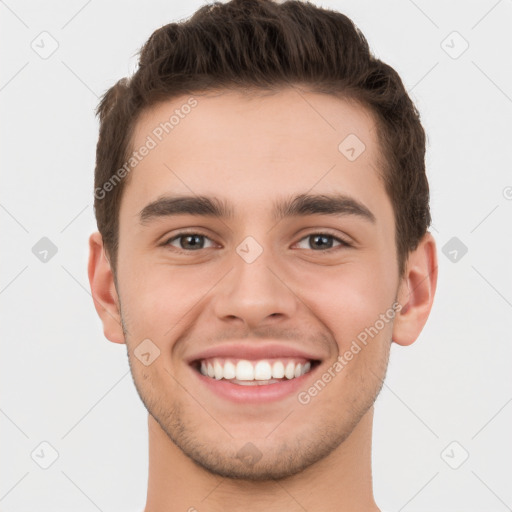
(229, 370)
(255, 382)
(257, 372)
(217, 367)
(244, 370)
(290, 371)
(278, 370)
(263, 370)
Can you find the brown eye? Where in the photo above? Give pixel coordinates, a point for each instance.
(188, 241)
(323, 241)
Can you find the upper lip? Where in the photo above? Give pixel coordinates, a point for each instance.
(256, 350)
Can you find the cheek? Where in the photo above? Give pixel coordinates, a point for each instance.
(349, 300)
(158, 298)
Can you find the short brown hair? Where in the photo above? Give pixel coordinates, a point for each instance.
(263, 45)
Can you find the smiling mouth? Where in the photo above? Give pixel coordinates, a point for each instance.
(246, 372)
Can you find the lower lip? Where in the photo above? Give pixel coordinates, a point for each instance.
(255, 393)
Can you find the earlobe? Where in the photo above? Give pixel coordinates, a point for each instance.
(416, 292)
(101, 280)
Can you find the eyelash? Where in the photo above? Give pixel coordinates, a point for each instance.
(167, 243)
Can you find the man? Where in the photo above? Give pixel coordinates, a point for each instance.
(262, 207)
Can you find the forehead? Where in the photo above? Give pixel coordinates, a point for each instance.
(246, 148)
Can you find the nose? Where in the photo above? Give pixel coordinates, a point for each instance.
(255, 292)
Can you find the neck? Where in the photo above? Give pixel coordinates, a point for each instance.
(341, 482)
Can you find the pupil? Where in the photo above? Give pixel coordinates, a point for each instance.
(194, 243)
(324, 239)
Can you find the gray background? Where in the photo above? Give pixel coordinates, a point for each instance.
(447, 396)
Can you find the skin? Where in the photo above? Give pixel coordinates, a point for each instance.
(250, 151)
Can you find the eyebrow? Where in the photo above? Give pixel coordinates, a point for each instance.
(301, 205)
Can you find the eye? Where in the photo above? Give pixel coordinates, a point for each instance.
(323, 241)
(193, 241)
(188, 242)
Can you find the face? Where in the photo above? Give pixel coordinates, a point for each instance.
(273, 285)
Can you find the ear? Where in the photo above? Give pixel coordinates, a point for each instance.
(103, 290)
(416, 292)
